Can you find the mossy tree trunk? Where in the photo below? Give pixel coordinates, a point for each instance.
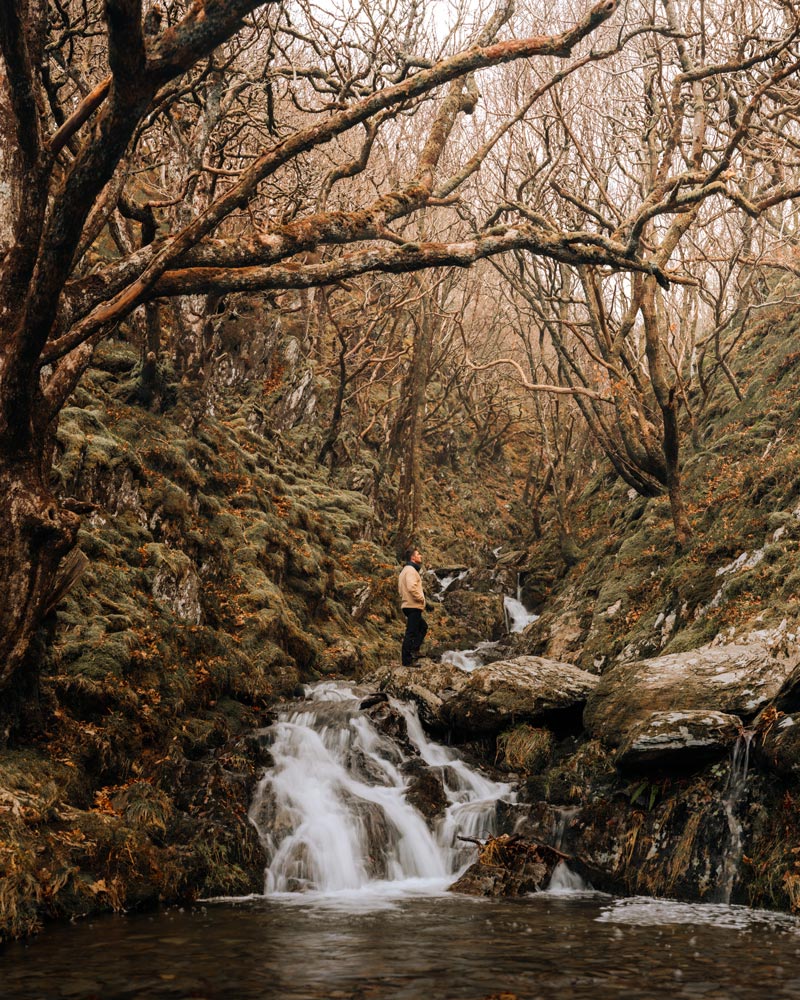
(409, 500)
(37, 533)
(667, 398)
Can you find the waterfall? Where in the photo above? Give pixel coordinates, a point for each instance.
(469, 659)
(563, 879)
(446, 581)
(332, 811)
(518, 618)
(737, 780)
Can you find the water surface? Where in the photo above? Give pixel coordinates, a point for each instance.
(373, 947)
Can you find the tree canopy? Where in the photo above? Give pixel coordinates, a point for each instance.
(629, 170)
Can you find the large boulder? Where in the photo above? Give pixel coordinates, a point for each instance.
(427, 684)
(524, 689)
(737, 680)
(479, 616)
(677, 740)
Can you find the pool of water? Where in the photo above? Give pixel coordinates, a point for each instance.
(431, 947)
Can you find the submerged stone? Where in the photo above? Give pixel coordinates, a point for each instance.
(736, 679)
(677, 740)
(525, 689)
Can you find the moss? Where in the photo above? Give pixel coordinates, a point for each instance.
(525, 748)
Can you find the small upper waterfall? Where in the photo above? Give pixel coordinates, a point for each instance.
(469, 659)
(518, 618)
(333, 812)
(737, 780)
(517, 614)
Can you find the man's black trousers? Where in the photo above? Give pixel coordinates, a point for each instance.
(416, 627)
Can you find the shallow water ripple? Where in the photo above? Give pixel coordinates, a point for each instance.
(432, 948)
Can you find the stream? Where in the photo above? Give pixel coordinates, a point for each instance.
(440, 947)
(355, 901)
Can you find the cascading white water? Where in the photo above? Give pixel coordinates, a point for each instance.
(737, 780)
(469, 659)
(517, 615)
(445, 582)
(332, 811)
(518, 618)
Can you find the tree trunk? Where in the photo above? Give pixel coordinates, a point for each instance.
(668, 400)
(336, 420)
(149, 382)
(409, 500)
(36, 534)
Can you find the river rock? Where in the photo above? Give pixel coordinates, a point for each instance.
(737, 680)
(425, 790)
(676, 740)
(506, 866)
(524, 689)
(427, 684)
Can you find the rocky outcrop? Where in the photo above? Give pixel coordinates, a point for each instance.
(427, 684)
(779, 747)
(737, 680)
(480, 616)
(526, 689)
(507, 866)
(677, 740)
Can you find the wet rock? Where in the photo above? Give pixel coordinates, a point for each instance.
(481, 616)
(425, 790)
(779, 747)
(737, 680)
(374, 699)
(427, 684)
(506, 866)
(526, 689)
(391, 723)
(677, 740)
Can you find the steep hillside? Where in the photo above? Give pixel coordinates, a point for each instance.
(631, 594)
(225, 569)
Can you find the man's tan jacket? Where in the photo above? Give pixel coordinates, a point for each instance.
(409, 585)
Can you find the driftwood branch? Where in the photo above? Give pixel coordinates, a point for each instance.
(517, 839)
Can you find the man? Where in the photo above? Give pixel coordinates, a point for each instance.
(412, 603)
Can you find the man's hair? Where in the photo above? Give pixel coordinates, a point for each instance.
(409, 552)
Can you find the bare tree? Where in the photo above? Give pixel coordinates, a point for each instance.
(80, 92)
(679, 132)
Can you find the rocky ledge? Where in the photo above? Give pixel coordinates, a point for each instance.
(677, 775)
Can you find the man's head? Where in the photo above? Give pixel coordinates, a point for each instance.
(413, 556)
